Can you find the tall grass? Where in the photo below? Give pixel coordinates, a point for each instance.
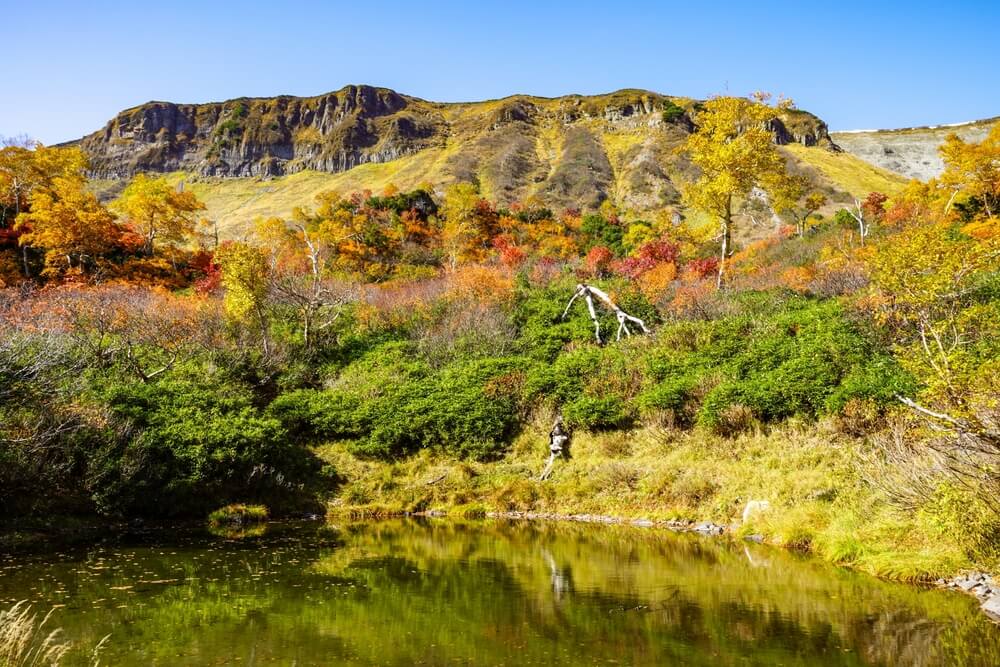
(24, 641)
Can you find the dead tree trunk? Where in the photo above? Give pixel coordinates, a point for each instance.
(558, 442)
(589, 292)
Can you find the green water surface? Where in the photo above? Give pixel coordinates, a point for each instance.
(442, 592)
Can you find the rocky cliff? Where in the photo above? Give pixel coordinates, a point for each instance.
(572, 150)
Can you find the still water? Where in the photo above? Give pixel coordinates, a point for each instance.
(442, 592)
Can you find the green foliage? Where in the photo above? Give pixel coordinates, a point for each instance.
(598, 230)
(192, 444)
(391, 406)
(843, 218)
(238, 514)
(777, 358)
(671, 111)
(597, 413)
(417, 200)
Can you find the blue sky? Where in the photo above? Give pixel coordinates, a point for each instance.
(70, 66)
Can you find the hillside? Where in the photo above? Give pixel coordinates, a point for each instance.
(251, 157)
(910, 152)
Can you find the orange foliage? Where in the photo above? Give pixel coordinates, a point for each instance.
(482, 283)
(798, 278)
(654, 282)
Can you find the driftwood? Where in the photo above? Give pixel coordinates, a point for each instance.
(589, 292)
(558, 442)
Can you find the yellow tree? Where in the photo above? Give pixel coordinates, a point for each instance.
(24, 171)
(796, 200)
(297, 262)
(246, 278)
(69, 225)
(469, 222)
(734, 151)
(159, 211)
(974, 169)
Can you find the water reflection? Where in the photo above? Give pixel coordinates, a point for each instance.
(491, 593)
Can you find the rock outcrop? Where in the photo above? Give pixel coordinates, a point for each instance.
(260, 137)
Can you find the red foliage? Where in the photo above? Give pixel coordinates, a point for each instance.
(131, 242)
(8, 237)
(874, 206)
(486, 215)
(598, 260)
(704, 267)
(207, 274)
(903, 213)
(510, 254)
(647, 257)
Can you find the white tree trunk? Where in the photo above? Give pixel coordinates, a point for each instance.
(588, 292)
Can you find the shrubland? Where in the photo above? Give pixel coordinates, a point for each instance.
(408, 350)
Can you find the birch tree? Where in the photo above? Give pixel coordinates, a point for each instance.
(734, 150)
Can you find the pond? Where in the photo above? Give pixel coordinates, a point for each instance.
(436, 592)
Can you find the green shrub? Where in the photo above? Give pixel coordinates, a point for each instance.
(597, 230)
(392, 406)
(188, 444)
(594, 413)
(671, 111)
(238, 515)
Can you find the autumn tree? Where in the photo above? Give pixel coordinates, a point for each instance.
(734, 151)
(973, 170)
(469, 223)
(246, 279)
(69, 225)
(798, 202)
(159, 211)
(297, 275)
(360, 241)
(932, 295)
(25, 169)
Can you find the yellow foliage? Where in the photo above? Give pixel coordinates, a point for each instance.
(974, 169)
(68, 224)
(159, 211)
(798, 277)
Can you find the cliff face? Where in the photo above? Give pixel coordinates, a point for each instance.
(573, 150)
(258, 137)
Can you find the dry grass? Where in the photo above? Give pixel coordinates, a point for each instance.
(24, 640)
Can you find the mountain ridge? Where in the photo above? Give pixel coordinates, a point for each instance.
(570, 150)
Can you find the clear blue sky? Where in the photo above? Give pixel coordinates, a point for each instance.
(70, 66)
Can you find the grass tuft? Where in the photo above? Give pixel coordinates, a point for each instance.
(24, 641)
(237, 515)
